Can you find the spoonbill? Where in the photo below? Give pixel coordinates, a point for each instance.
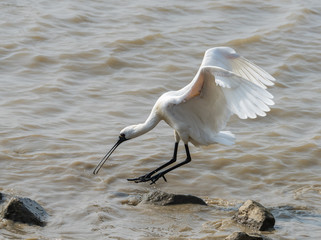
(225, 84)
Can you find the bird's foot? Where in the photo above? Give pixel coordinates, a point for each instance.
(154, 178)
(148, 177)
(144, 178)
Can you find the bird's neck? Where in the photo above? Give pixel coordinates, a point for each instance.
(148, 125)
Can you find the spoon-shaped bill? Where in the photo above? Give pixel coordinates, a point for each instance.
(101, 163)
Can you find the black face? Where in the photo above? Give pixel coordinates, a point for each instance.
(122, 137)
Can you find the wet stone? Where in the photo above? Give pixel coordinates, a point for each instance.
(253, 215)
(245, 236)
(164, 199)
(25, 210)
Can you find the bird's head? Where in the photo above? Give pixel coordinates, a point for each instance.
(130, 132)
(127, 133)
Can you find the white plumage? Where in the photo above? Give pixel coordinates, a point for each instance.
(225, 84)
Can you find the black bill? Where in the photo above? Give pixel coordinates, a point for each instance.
(101, 163)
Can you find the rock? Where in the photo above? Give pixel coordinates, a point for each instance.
(253, 215)
(25, 210)
(245, 236)
(164, 199)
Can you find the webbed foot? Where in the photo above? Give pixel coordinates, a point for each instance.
(148, 177)
(144, 178)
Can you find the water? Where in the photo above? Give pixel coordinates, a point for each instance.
(74, 73)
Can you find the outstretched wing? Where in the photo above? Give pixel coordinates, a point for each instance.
(228, 59)
(222, 86)
(246, 97)
(243, 98)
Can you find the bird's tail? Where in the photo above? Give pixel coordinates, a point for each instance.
(225, 137)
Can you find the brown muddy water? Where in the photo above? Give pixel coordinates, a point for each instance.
(74, 73)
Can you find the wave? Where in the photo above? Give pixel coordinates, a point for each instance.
(141, 41)
(246, 40)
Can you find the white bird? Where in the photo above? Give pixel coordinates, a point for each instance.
(225, 84)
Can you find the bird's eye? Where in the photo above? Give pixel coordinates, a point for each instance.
(122, 137)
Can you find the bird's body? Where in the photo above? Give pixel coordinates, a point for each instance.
(225, 84)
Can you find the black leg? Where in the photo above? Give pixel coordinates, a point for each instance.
(154, 178)
(147, 176)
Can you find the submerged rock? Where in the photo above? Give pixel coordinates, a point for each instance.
(245, 236)
(253, 215)
(24, 210)
(164, 199)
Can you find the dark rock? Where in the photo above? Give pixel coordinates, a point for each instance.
(25, 210)
(0, 196)
(164, 199)
(253, 215)
(245, 236)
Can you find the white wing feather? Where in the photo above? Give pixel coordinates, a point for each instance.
(243, 98)
(226, 83)
(228, 59)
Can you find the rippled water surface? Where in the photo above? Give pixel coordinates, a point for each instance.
(74, 73)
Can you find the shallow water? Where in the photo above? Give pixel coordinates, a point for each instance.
(74, 73)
